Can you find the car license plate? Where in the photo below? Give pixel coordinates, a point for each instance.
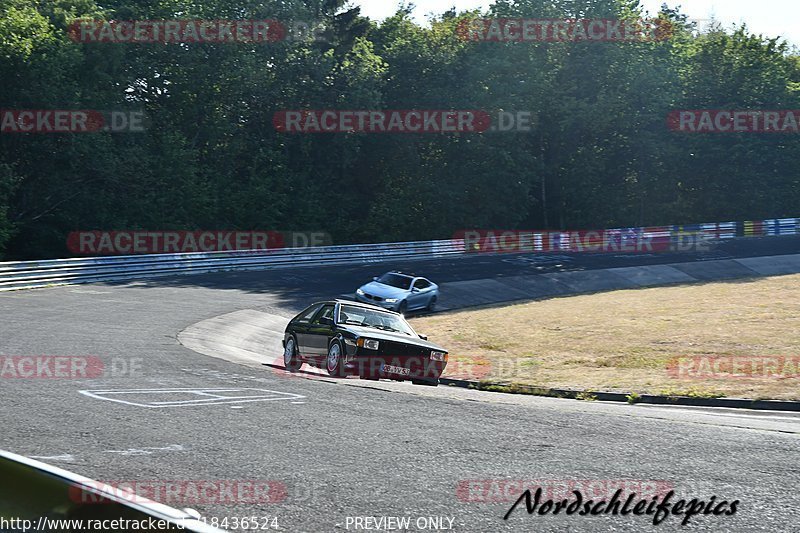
(396, 370)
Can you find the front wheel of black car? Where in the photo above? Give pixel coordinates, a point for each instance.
(403, 307)
(290, 359)
(334, 363)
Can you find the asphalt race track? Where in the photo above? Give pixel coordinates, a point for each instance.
(357, 449)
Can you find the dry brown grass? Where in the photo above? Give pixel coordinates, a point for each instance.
(622, 340)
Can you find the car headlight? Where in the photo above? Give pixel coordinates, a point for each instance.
(359, 292)
(369, 344)
(391, 300)
(438, 356)
(351, 342)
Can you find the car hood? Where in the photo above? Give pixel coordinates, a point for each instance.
(378, 334)
(384, 291)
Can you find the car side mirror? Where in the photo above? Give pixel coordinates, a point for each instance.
(414, 289)
(423, 337)
(326, 321)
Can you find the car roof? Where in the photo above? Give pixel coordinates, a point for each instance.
(406, 274)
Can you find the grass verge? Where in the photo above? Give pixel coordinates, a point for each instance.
(625, 341)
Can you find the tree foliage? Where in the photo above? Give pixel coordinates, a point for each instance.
(598, 154)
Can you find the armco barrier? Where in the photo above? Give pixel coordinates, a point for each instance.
(771, 227)
(43, 498)
(34, 274)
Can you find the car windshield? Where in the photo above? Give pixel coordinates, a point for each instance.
(396, 280)
(373, 318)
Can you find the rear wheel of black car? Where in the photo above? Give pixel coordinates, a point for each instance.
(334, 363)
(429, 382)
(290, 358)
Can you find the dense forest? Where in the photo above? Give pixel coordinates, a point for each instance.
(598, 153)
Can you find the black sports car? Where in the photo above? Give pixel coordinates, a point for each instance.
(352, 338)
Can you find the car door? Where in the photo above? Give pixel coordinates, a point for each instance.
(319, 333)
(420, 293)
(300, 327)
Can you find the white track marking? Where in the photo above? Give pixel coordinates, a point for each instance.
(65, 457)
(213, 396)
(148, 450)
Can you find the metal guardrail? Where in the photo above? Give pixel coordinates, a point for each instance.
(35, 274)
(52, 497)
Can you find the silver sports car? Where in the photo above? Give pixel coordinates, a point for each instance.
(400, 292)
